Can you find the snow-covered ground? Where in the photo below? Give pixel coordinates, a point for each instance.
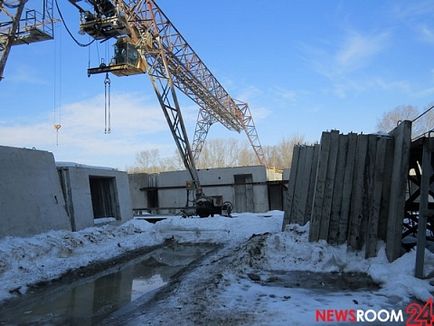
(26, 261)
(238, 284)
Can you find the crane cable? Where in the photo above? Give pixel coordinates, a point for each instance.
(107, 83)
(67, 29)
(57, 91)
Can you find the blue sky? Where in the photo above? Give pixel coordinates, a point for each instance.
(303, 67)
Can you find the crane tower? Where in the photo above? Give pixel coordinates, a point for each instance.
(147, 42)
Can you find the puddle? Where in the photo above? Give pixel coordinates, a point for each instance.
(318, 280)
(88, 301)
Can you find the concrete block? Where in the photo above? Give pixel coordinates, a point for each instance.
(79, 186)
(31, 199)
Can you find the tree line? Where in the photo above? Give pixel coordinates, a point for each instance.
(218, 153)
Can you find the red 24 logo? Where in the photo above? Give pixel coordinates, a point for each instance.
(419, 315)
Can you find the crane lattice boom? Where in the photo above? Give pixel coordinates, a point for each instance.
(171, 63)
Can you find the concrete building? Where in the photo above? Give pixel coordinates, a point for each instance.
(31, 199)
(37, 196)
(93, 193)
(250, 189)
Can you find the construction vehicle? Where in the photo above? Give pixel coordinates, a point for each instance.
(146, 42)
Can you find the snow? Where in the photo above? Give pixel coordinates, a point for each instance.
(395, 278)
(220, 291)
(220, 229)
(61, 164)
(104, 220)
(221, 282)
(26, 261)
(44, 257)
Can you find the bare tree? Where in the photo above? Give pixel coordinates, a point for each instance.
(390, 119)
(218, 153)
(150, 161)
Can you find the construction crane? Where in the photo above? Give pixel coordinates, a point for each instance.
(19, 25)
(147, 42)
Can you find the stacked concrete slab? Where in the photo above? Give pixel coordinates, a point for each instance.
(31, 199)
(359, 189)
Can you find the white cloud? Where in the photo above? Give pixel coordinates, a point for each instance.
(339, 64)
(287, 96)
(136, 125)
(426, 33)
(410, 10)
(248, 93)
(354, 52)
(345, 86)
(359, 49)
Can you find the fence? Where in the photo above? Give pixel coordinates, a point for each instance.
(352, 189)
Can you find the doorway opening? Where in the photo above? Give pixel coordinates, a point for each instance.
(104, 197)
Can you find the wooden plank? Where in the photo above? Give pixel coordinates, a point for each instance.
(313, 171)
(385, 200)
(357, 195)
(338, 189)
(303, 188)
(319, 187)
(329, 185)
(291, 186)
(375, 199)
(401, 156)
(347, 189)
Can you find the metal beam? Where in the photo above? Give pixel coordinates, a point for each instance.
(8, 31)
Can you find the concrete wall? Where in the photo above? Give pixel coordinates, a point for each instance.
(172, 194)
(137, 181)
(75, 179)
(31, 199)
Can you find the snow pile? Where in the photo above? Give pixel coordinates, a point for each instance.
(398, 279)
(25, 261)
(291, 251)
(44, 257)
(220, 229)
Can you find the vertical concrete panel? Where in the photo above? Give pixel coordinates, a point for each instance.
(329, 185)
(320, 181)
(288, 216)
(347, 189)
(376, 190)
(338, 189)
(139, 197)
(401, 158)
(31, 199)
